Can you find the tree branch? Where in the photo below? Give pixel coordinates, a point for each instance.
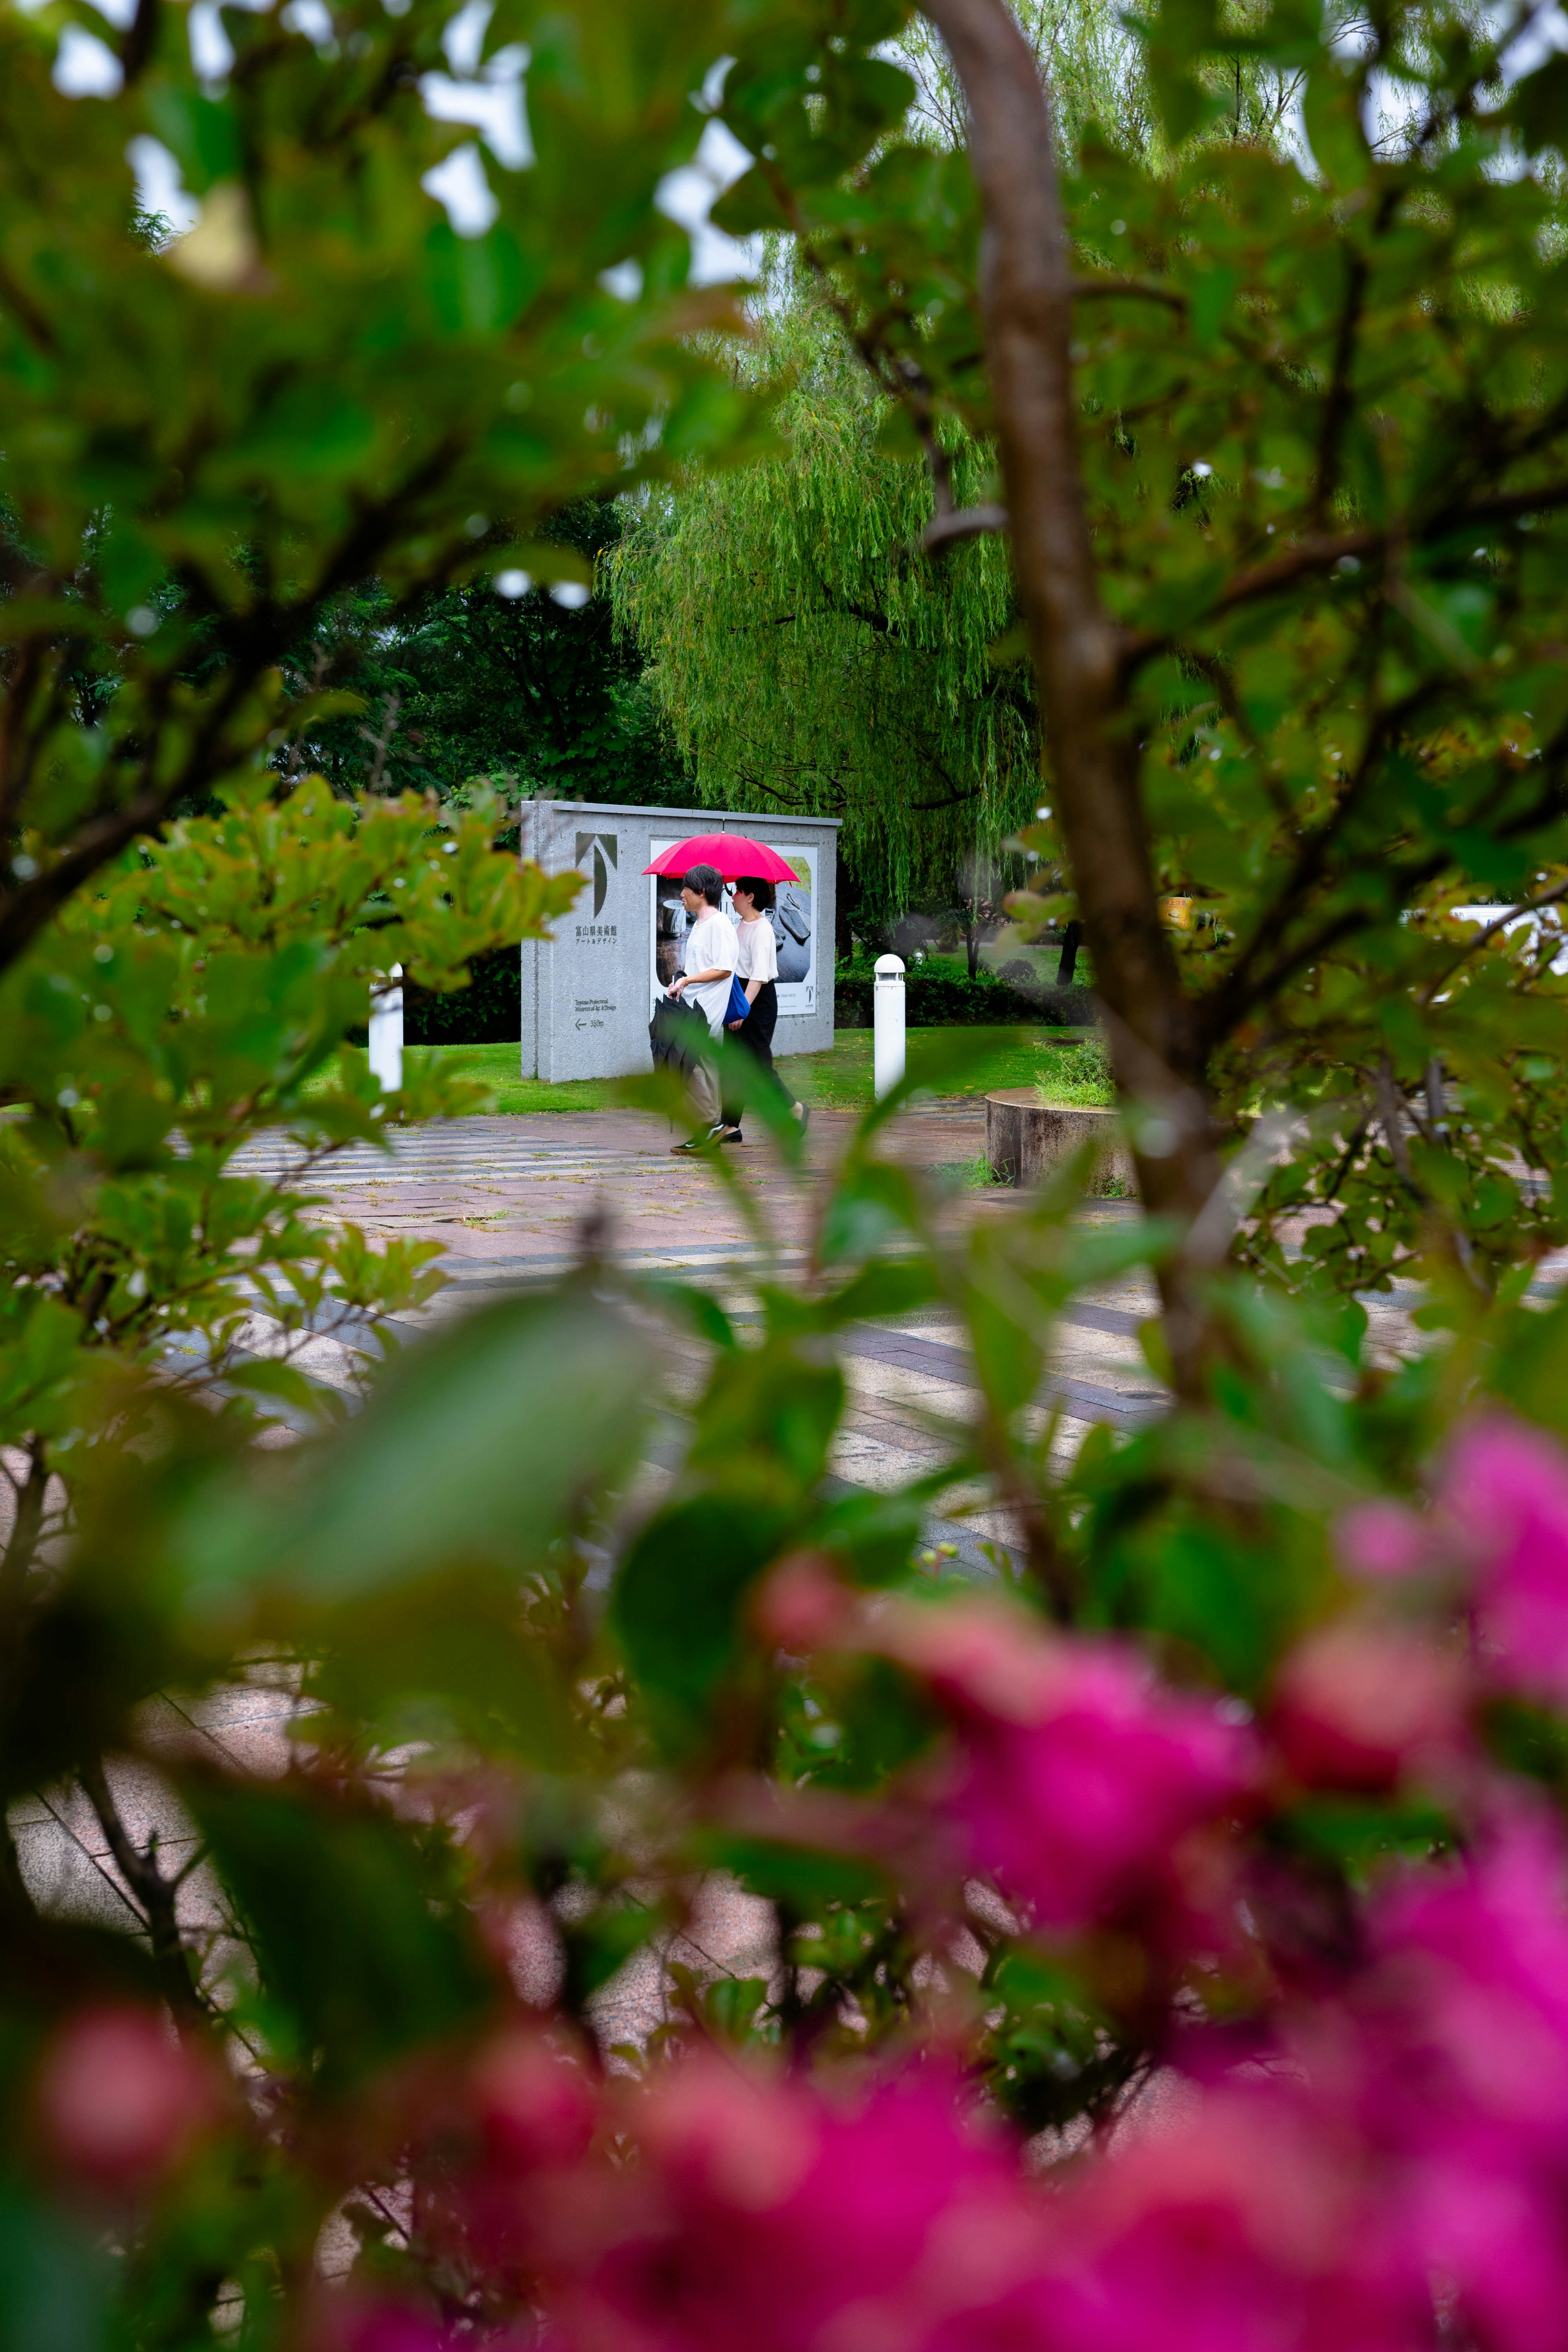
(154, 1893)
(1320, 550)
(1337, 405)
(141, 41)
(959, 523)
(1027, 300)
(1137, 290)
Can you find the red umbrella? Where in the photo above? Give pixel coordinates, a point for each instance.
(733, 853)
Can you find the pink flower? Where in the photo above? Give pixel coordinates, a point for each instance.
(803, 1605)
(121, 2098)
(1240, 2227)
(1465, 2090)
(1077, 1776)
(535, 2109)
(1384, 1539)
(1472, 1988)
(1506, 1490)
(350, 2322)
(766, 2214)
(1357, 1706)
(524, 2120)
(353, 2326)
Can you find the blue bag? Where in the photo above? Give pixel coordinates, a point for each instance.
(739, 1004)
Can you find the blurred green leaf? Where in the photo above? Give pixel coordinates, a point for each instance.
(354, 1919)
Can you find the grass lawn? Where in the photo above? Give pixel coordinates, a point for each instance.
(958, 1061)
(963, 1061)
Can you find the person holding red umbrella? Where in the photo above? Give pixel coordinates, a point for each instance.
(757, 970)
(708, 969)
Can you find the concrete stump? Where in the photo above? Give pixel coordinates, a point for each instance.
(1026, 1139)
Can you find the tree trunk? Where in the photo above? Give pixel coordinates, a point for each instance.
(1026, 315)
(1066, 962)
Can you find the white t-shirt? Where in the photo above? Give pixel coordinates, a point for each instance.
(759, 956)
(711, 942)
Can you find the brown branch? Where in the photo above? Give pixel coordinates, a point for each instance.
(1320, 550)
(140, 39)
(154, 1893)
(1226, 1005)
(1138, 289)
(1339, 401)
(13, 707)
(34, 320)
(1027, 300)
(1484, 936)
(959, 523)
(30, 908)
(953, 800)
(1391, 1109)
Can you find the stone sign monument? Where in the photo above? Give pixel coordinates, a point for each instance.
(588, 993)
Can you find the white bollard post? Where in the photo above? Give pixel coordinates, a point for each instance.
(386, 1033)
(887, 1025)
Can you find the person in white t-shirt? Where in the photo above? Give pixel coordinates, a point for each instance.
(757, 967)
(707, 965)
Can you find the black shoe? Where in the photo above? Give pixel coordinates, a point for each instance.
(802, 1112)
(731, 1135)
(698, 1145)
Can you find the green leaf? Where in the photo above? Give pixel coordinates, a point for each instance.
(476, 1450)
(354, 1921)
(1331, 112)
(676, 1606)
(802, 1878)
(55, 2280)
(1538, 104)
(203, 133)
(478, 284)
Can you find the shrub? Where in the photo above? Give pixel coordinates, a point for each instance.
(488, 1012)
(942, 1000)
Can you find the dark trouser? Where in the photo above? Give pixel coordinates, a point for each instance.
(756, 1035)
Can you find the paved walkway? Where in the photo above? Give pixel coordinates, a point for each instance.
(509, 1199)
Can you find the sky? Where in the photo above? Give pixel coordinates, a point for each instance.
(489, 93)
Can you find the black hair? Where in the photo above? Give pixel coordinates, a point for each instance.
(705, 880)
(761, 894)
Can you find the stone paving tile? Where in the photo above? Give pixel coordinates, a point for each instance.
(67, 1881)
(727, 1933)
(143, 1799)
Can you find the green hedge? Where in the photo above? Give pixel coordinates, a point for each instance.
(943, 1000)
(489, 1011)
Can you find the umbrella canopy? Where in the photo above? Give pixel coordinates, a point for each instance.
(733, 853)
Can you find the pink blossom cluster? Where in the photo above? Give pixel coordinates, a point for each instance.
(1075, 1778)
(1376, 2161)
(122, 2099)
(1462, 2078)
(1382, 2165)
(1500, 1532)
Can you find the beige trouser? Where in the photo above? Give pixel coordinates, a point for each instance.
(702, 1086)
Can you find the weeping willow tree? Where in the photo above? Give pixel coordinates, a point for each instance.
(804, 652)
(807, 656)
